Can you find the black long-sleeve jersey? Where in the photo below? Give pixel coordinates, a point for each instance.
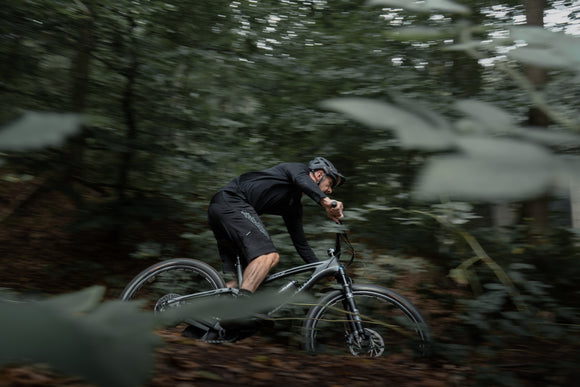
(278, 191)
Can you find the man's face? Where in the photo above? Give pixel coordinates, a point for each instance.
(326, 185)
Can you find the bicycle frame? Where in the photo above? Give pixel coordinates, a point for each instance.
(322, 269)
(165, 284)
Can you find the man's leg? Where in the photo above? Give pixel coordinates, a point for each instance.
(257, 271)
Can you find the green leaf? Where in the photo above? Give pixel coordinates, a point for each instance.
(546, 48)
(414, 131)
(112, 345)
(459, 276)
(522, 266)
(39, 130)
(536, 35)
(542, 57)
(417, 33)
(495, 286)
(489, 169)
(505, 151)
(79, 302)
(549, 136)
(486, 115)
(423, 6)
(228, 308)
(474, 44)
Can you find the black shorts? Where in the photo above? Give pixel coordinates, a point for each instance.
(238, 229)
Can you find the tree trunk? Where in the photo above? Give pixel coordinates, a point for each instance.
(536, 211)
(128, 153)
(538, 76)
(80, 74)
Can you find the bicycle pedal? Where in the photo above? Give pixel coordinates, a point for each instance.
(202, 329)
(194, 332)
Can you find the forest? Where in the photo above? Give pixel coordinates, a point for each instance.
(455, 123)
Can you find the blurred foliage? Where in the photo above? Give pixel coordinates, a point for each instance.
(38, 130)
(59, 330)
(426, 99)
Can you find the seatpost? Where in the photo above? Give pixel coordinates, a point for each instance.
(239, 271)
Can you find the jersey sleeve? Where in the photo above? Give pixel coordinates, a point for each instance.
(300, 175)
(294, 225)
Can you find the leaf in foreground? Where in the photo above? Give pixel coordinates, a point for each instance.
(415, 130)
(37, 130)
(229, 308)
(110, 344)
(490, 169)
(546, 48)
(423, 6)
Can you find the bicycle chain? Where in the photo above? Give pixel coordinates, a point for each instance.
(221, 338)
(222, 341)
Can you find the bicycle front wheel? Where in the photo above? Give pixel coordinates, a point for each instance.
(169, 279)
(391, 324)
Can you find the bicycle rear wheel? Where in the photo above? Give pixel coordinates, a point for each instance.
(391, 324)
(166, 280)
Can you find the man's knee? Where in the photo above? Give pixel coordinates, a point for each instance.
(270, 259)
(274, 259)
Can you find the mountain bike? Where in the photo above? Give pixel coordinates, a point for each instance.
(363, 319)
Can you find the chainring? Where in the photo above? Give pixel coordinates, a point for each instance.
(162, 303)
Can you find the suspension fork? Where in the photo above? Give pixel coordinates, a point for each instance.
(349, 304)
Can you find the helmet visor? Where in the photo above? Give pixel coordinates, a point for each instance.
(337, 179)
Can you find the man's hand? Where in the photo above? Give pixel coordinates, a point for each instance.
(333, 208)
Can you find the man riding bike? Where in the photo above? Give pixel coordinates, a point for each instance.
(234, 211)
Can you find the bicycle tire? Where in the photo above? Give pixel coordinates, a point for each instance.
(172, 277)
(391, 322)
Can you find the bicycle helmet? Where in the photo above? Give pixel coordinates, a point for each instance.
(329, 169)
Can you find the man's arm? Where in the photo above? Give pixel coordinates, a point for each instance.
(296, 231)
(301, 177)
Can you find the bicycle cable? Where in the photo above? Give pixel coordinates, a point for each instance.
(343, 235)
(350, 246)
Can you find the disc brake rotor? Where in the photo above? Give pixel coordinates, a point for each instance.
(372, 344)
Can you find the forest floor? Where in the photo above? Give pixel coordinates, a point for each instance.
(38, 256)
